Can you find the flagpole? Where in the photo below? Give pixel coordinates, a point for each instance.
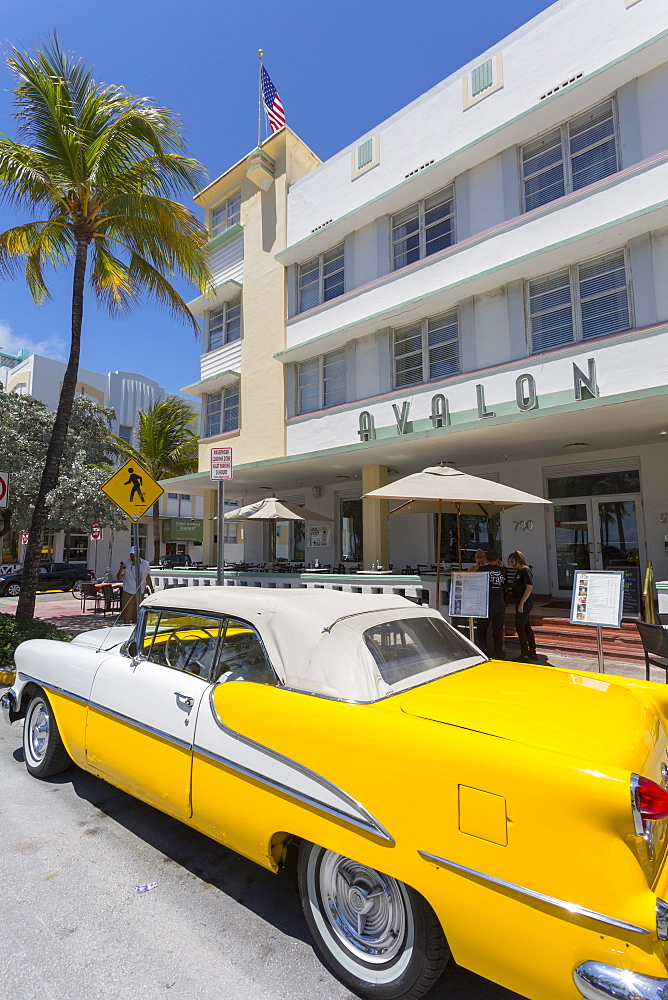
(259, 99)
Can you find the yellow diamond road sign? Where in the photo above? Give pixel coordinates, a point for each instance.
(133, 490)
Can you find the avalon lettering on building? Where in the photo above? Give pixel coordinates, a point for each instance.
(526, 398)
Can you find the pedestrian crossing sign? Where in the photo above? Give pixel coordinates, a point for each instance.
(132, 489)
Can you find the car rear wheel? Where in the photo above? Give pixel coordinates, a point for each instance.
(13, 589)
(377, 935)
(42, 746)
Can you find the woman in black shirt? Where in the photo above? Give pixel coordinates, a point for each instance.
(523, 597)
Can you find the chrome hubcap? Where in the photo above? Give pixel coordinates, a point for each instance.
(366, 909)
(39, 732)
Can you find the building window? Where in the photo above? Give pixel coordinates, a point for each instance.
(225, 324)
(172, 496)
(78, 548)
(579, 303)
(226, 215)
(423, 229)
(321, 279)
(125, 433)
(321, 382)
(184, 496)
(222, 411)
(570, 157)
(426, 350)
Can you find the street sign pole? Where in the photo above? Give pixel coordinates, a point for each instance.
(135, 545)
(220, 567)
(221, 469)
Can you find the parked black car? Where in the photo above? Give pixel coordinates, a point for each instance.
(52, 576)
(178, 559)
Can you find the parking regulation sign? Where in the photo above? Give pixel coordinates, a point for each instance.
(4, 489)
(221, 464)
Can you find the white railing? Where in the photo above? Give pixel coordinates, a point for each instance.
(416, 588)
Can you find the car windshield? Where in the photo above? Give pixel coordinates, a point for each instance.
(412, 646)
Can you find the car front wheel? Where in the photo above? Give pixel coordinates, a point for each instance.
(42, 746)
(377, 935)
(13, 589)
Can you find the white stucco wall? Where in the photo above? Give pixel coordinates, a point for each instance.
(601, 39)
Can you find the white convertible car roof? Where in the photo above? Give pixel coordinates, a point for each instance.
(313, 637)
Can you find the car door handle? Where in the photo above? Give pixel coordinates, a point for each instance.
(185, 698)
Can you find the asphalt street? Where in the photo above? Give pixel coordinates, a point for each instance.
(216, 927)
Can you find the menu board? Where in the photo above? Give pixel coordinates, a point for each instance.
(469, 595)
(598, 597)
(632, 600)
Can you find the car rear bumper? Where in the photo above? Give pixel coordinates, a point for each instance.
(597, 981)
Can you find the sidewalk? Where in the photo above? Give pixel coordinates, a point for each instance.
(64, 612)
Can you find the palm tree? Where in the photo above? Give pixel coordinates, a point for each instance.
(166, 446)
(95, 169)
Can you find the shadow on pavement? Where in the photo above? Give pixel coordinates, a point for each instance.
(273, 898)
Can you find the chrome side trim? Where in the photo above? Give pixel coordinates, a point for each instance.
(597, 981)
(53, 687)
(167, 737)
(365, 820)
(574, 909)
(370, 827)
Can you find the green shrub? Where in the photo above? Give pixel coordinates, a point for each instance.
(13, 632)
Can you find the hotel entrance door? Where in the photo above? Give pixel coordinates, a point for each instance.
(595, 533)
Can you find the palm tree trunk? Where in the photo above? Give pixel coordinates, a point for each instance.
(156, 533)
(26, 606)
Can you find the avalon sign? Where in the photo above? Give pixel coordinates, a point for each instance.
(526, 398)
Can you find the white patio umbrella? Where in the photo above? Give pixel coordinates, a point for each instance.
(444, 490)
(273, 509)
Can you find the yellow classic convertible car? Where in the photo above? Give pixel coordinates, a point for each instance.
(508, 816)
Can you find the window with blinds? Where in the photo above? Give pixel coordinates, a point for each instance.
(222, 411)
(423, 229)
(226, 215)
(224, 324)
(321, 382)
(582, 302)
(321, 279)
(569, 158)
(426, 350)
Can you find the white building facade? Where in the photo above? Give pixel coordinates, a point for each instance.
(481, 279)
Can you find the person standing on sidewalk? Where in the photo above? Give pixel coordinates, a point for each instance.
(498, 579)
(523, 597)
(129, 596)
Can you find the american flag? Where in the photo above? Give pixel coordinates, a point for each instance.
(272, 103)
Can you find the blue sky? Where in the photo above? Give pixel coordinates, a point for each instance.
(339, 70)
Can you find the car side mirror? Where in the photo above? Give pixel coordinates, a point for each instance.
(133, 649)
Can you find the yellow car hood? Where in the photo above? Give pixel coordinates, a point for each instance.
(545, 707)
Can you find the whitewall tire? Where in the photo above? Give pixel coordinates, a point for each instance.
(42, 746)
(377, 935)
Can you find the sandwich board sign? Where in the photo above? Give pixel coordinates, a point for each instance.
(132, 489)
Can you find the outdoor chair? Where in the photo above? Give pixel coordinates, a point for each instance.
(89, 592)
(655, 645)
(111, 597)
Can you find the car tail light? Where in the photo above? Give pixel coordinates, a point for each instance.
(649, 799)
